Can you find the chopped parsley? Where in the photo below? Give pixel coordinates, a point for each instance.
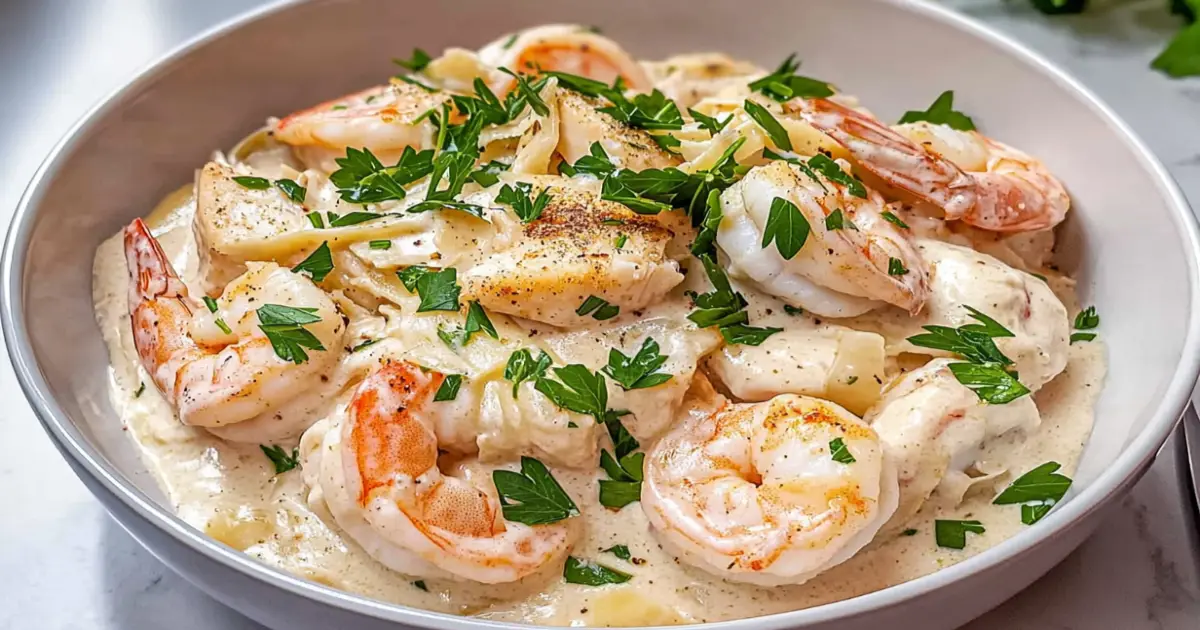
(280, 458)
(315, 219)
(1087, 319)
(786, 226)
(421, 585)
(532, 496)
(417, 62)
(577, 389)
(517, 196)
(284, 327)
(835, 174)
(896, 267)
(140, 390)
(620, 551)
(523, 367)
(599, 309)
(589, 573)
(764, 118)
(953, 534)
(893, 219)
(837, 221)
(351, 218)
(362, 178)
(318, 264)
(639, 371)
(709, 225)
(477, 321)
(784, 84)
(488, 174)
(448, 390)
(714, 125)
(1037, 491)
(366, 344)
(620, 241)
(839, 452)
(725, 308)
(941, 112)
(253, 183)
(294, 191)
(409, 276)
(438, 290)
(986, 371)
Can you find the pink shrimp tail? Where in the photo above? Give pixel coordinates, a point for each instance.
(893, 158)
(150, 273)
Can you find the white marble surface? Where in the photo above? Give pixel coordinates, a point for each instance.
(64, 564)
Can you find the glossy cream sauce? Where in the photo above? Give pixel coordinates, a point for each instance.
(230, 492)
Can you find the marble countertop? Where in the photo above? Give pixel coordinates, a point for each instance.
(64, 564)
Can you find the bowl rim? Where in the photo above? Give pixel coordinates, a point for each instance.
(1133, 460)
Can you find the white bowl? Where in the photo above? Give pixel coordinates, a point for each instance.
(1131, 241)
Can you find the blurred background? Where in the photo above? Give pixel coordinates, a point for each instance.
(65, 564)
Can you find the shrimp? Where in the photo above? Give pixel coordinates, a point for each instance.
(564, 48)
(215, 378)
(379, 476)
(838, 272)
(935, 430)
(753, 492)
(383, 119)
(971, 177)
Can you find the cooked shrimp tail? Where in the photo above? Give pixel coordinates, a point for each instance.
(756, 492)
(217, 376)
(380, 476)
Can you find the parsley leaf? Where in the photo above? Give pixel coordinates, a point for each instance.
(987, 370)
(253, 183)
(477, 321)
(1082, 336)
(941, 112)
(294, 191)
(596, 163)
(352, 218)
(953, 534)
(646, 111)
(599, 308)
(620, 551)
(315, 219)
(362, 178)
(529, 92)
(421, 585)
(1087, 319)
(714, 125)
(409, 276)
(284, 328)
(893, 219)
(589, 573)
(709, 225)
(746, 335)
(837, 221)
(991, 383)
(764, 118)
(640, 370)
(210, 304)
(839, 452)
(580, 390)
(532, 496)
(318, 264)
(448, 390)
(523, 367)
(786, 226)
(380, 244)
(366, 344)
(517, 197)
(487, 174)
(835, 174)
(722, 306)
(896, 267)
(455, 167)
(784, 84)
(280, 458)
(438, 290)
(1037, 490)
(415, 63)
(140, 390)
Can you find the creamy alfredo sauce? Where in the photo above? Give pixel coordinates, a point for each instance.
(230, 492)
